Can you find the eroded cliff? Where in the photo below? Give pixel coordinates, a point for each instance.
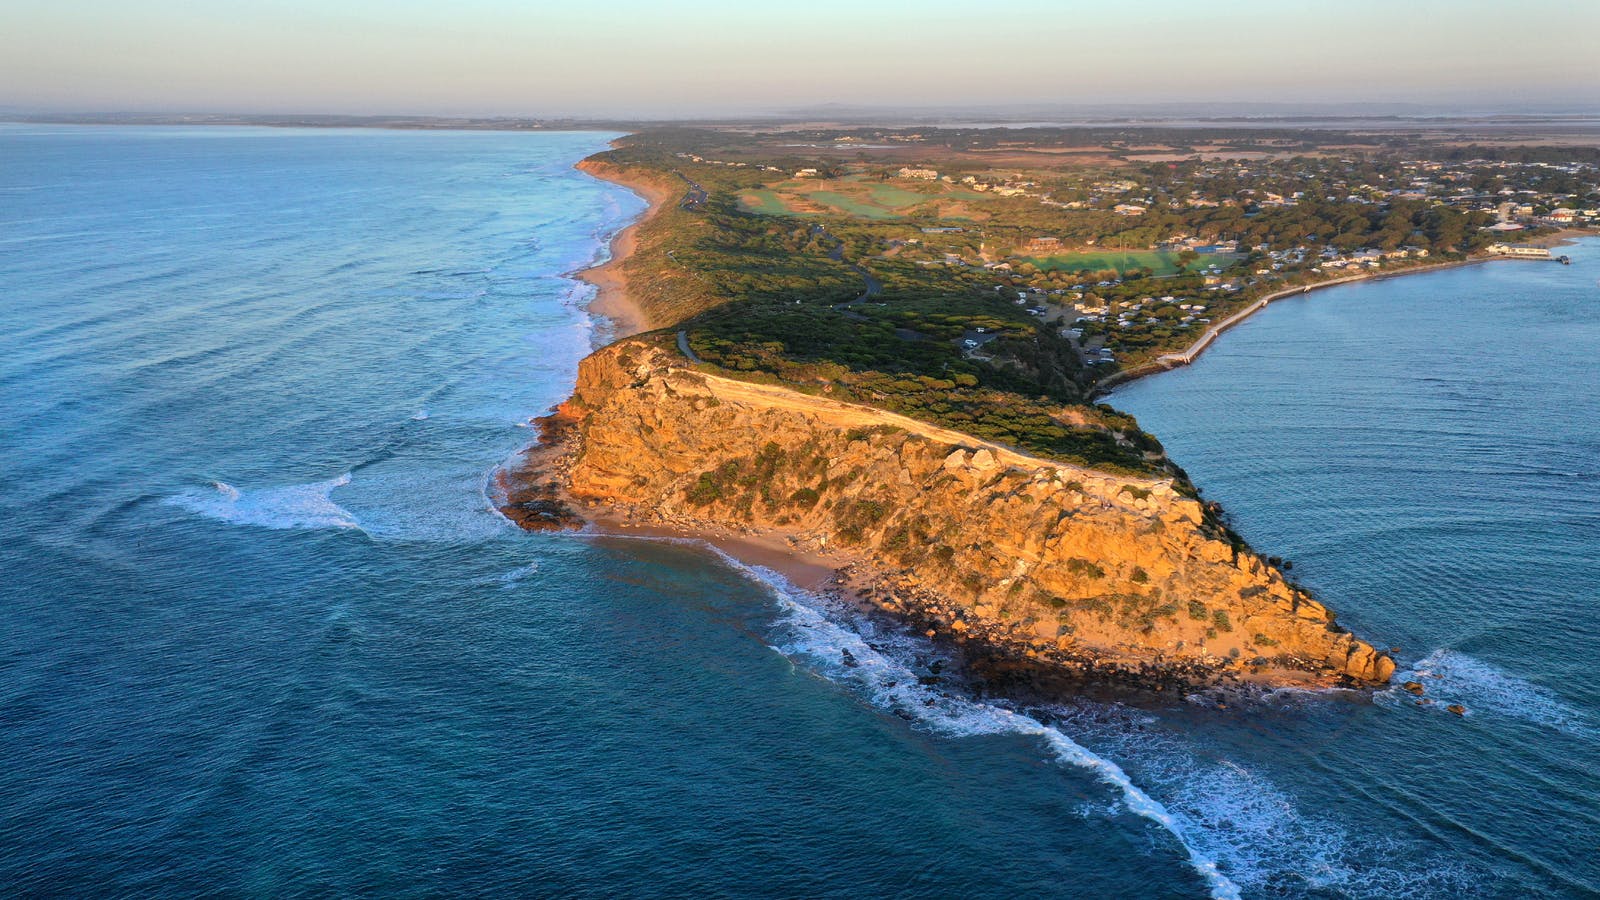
(1038, 562)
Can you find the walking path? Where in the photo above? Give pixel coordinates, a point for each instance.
(685, 349)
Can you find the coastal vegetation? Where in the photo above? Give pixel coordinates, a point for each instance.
(935, 275)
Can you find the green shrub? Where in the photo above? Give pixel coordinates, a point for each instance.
(1080, 566)
(1100, 606)
(705, 490)
(1219, 618)
(805, 497)
(870, 511)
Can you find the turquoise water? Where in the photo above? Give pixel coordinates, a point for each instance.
(263, 633)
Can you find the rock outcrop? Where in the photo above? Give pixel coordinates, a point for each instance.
(1031, 561)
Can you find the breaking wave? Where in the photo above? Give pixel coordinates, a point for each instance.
(1236, 829)
(290, 506)
(870, 661)
(1256, 831)
(1451, 677)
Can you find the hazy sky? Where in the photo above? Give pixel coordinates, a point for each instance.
(627, 57)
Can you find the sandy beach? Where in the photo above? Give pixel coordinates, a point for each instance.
(612, 301)
(763, 549)
(610, 281)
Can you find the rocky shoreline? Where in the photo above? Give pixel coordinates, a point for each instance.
(1112, 584)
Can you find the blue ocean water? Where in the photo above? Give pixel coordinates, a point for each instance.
(1426, 450)
(263, 633)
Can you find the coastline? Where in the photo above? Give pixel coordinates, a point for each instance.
(537, 500)
(802, 569)
(851, 580)
(611, 300)
(1169, 361)
(603, 484)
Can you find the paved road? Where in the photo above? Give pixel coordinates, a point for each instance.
(696, 196)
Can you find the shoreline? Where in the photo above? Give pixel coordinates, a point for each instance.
(535, 495)
(851, 580)
(1166, 362)
(857, 582)
(611, 300)
(846, 577)
(804, 569)
(801, 568)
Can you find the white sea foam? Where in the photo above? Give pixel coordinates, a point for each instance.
(420, 416)
(1237, 830)
(289, 506)
(1451, 677)
(1257, 832)
(509, 579)
(845, 653)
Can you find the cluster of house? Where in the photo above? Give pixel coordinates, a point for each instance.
(1331, 258)
(1201, 245)
(1008, 188)
(1515, 207)
(1514, 216)
(732, 165)
(1131, 311)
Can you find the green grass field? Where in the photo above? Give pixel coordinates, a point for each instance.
(763, 202)
(892, 197)
(1160, 262)
(852, 205)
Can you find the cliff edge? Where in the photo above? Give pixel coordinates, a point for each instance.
(1029, 562)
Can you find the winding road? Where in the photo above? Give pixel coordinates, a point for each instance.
(685, 349)
(696, 196)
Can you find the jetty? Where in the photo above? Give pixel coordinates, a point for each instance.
(1519, 251)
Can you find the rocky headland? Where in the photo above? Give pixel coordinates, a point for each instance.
(1033, 566)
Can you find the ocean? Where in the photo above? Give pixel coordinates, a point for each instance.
(264, 633)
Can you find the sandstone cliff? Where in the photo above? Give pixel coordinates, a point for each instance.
(1039, 562)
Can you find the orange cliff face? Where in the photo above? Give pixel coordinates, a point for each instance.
(1100, 575)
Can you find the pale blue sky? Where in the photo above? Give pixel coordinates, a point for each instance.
(627, 57)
